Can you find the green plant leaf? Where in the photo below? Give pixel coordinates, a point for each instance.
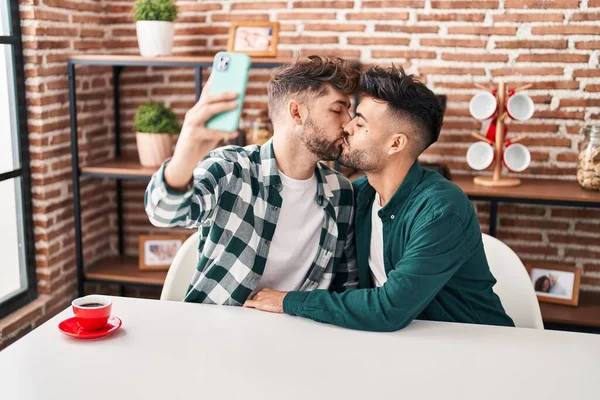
(155, 117)
(155, 10)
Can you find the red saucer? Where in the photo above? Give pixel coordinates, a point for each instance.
(71, 328)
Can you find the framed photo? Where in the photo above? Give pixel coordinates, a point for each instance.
(555, 283)
(158, 251)
(257, 39)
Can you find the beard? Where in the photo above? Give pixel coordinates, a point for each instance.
(315, 140)
(362, 160)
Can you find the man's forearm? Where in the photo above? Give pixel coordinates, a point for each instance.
(387, 308)
(180, 170)
(196, 140)
(360, 309)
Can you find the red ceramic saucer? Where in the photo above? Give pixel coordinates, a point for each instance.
(71, 328)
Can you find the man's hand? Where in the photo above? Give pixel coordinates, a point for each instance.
(195, 139)
(267, 300)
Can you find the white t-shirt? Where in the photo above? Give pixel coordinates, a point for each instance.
(296, 239)
(376, 251)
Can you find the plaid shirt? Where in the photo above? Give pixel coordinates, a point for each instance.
(234, 202)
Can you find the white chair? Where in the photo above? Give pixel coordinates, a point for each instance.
(513, 285)
(181, 270)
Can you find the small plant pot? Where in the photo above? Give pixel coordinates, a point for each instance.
(155, 38)
(154, 148)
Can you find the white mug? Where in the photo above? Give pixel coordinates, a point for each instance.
(520, 107)
(480, 156)
(483, 105)
(516, 157)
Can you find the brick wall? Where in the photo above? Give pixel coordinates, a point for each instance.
(451, 44)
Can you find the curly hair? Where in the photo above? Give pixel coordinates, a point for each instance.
(310, 75)
(407, 98)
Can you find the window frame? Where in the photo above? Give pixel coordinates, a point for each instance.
(14, 40)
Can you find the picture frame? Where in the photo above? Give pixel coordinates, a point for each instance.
(258, 39)
(558, 284)
(156, 252)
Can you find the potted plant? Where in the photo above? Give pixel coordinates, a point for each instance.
(155, 124)
(154, 26)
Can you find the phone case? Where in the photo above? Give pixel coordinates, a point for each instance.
(229, 74)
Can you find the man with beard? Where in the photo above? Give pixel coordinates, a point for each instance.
(418, 242)
(271, 215)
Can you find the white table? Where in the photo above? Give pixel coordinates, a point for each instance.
(167, 350)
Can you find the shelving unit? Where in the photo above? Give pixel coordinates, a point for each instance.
(121, 269)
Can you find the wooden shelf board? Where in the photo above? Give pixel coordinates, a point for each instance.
(119, 167)
(538, 189)
(118, 59)
(131, 57)
(587, 313)
(530, 189)
(123, 269)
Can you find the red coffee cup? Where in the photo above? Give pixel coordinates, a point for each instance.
(491, 130)
(92, 312)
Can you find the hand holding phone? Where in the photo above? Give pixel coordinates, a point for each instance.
(215, 118)
(229, 74)
(196, 139)
(195, 125)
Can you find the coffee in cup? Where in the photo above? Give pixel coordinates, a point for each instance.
(92, 312)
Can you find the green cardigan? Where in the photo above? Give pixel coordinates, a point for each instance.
(434, 261)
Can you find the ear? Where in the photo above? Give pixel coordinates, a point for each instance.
(297, 111)
(399, 143)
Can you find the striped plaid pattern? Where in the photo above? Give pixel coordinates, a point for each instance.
(234, 202)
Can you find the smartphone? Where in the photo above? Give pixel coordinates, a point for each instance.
(229, 74)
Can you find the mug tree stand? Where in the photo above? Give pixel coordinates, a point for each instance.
(497, 180)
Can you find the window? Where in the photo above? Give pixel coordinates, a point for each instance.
(17, 262)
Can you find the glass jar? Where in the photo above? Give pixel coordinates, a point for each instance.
(262, 129)
(588, 169)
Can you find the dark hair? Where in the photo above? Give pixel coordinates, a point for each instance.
(539, 283)
(311, 75)
(406, 97)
